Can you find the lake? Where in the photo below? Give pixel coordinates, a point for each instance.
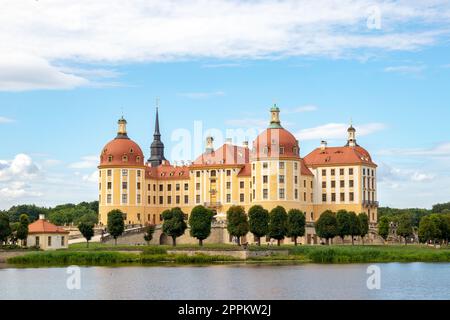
(236, 282)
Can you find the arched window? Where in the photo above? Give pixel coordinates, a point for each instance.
(110, 158)
(138, 159)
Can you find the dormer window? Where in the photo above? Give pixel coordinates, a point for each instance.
(131, 150)
(281, 150)
(266, 150)
(110, 158)
(138, 159)
(125, 158)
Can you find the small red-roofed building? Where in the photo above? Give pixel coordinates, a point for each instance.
(46, 235)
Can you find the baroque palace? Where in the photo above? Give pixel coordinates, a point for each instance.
(270, 173)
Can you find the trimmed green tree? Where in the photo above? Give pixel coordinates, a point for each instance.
(200, 222)
(405, 226)
(343, 224)
(429, 229)
(258, 220)
(116, 225)
(296, 224)
(174, 225)
(326, 226)
(278, 219)
(237, 222)
(354, 226)
(22, 229)
(383, 228)
(87, 230)
(5, 228)
(363, 225)
(149, 231)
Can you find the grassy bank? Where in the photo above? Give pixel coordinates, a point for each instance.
(143, 255)
(369, 254)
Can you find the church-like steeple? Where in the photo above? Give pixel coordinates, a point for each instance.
(157, 147)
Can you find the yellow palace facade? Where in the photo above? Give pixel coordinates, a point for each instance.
(270, 173)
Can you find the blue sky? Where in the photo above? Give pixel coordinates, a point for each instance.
(62, 90)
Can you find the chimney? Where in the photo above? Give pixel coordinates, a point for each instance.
(245, 144)
(323, 145)
(42, 216)
(209, 144)
(229, 141)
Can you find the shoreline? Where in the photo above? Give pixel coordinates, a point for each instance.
(169, 256)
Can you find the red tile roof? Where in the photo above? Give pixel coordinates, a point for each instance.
(338, 156)
(304, 169)
(246, 171)
(269, 143)
(119, 150)
(167, 172)
(226, 155)
(43, 226)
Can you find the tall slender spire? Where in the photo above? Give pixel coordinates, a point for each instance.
(157, 147)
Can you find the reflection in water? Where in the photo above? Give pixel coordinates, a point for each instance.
(238, 282)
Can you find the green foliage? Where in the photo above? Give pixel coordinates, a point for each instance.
(441, 208)
(32, 211)
(296, 224)
(149, 231)
(343, 223)
(174, 225)
(22, 228)
(363, 224)
(278, 219)
(405, 226)
(326, 225)
(237, 222)
(383, 227)
(258, 220)
(116, 225)
(87, 230)
(200, 222)
(355, 229)
(5, 228)
(429, 229)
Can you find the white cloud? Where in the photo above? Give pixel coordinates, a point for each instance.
(306, 108)
(202, 95)
(393, 175)
(25, 72)
(337, 131)
(21, 167)
(439, 150)
(222, 65)
(405, 69)
(41, 35)
(85, 163)
(93, 177)
(6, 120)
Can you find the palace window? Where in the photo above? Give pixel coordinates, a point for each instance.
(351, 183)
(352, 196)
(186, 187)
(161, 188)
(241, 197)
(342, 197)
(161, 199)
(282, 193)
(139, 217)
(281, 165)
(109, 173)
(139, 173)
(241, 184)
(295, 179)
(350, 171)
(341, 172)
(342, 183)
(295, 165)
(138, 186)
(296, 194)
(169, 187)
(304, 196)
(281, 150)
(198, 174)
(281, 179)
(186, 199)
(177, 187)
(228, 173)
(265, 165)
(124, 198)
(228, 185)
(177, 199)
(333, 197)
(124, 185)
(324, 197)
(324, 173)
(124, 172)
(138, 198)
(169, 200)
(333, 172)
(265, 193)
(149, 200)
(228, 198)
(333, 184)
(197, 186)
(110, 158)
(108, 198)
(138, 159)
(265, 179)
(197, 198)
(125, 158)
(324, 184)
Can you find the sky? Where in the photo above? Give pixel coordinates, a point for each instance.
(68, 71)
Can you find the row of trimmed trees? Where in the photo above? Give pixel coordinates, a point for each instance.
(342, 224)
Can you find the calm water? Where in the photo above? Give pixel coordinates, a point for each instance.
(309, 281)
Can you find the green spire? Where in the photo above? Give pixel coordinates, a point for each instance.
(275, 117)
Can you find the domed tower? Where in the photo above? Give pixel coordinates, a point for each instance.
(122, 176)
(279, 176)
